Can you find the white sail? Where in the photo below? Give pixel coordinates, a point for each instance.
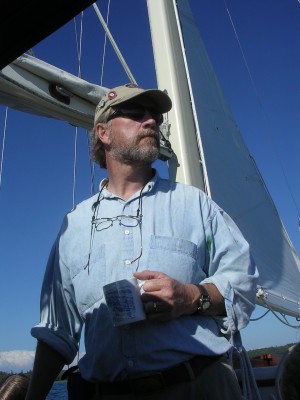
(226, 169)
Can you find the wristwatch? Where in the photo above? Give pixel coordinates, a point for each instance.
(205, 301)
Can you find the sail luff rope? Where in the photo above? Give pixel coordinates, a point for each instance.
(114, 45)
(262, 110)
(3, 146)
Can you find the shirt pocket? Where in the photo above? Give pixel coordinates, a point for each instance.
(175, 257)
(88, 282)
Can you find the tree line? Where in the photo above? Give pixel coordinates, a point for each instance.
(251, 354)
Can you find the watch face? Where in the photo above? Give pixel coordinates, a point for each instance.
(205, 304)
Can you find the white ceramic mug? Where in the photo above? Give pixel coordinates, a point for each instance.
(123, 299)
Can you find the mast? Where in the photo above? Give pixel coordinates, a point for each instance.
(172, 75)
(201, 123)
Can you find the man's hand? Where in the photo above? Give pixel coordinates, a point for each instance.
(165, 298)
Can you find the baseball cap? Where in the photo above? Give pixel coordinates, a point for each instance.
(131, 94)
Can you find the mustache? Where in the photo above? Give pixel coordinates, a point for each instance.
(149, 133)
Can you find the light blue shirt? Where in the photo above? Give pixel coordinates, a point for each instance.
(186, 236)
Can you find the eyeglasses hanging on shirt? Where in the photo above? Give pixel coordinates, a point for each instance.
(100, 224)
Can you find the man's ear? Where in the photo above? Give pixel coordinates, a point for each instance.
(101, 130)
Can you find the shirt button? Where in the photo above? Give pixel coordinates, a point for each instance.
(127, 232)
(127, 262)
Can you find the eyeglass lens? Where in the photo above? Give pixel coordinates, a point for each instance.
(129, 221)
(99, 224)
(137, 114)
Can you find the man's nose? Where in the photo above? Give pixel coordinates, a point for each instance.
(148, 119)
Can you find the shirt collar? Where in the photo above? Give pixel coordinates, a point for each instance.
(148, 187)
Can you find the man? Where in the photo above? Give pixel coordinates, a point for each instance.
(199, 279)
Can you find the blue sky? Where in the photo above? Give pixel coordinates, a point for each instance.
(37, 177)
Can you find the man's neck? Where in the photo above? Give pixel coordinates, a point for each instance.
(126, 180)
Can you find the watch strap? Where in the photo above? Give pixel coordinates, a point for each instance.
(204, 302)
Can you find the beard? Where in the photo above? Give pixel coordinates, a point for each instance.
(144, 149)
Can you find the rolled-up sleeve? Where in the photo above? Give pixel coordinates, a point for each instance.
(60, 323)
(231, 269)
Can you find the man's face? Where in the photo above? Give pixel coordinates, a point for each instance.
(133, 141)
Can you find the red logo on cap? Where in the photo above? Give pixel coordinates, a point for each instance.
(111, 95)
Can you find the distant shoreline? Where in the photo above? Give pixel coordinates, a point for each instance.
(251, 354)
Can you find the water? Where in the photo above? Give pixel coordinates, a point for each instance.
(58, 391)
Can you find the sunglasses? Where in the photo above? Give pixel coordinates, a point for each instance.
(136, 114)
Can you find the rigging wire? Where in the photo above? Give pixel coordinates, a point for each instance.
(282, 319)
(269, 308)
(121, 59)
(114, 45)
(79, 42)
(262, 110)
(260, 317)
(3, 146)
(104, 45)
(79, 52)
(92, 163)
(74, 168)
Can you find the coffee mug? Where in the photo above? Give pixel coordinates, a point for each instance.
(123, 299)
